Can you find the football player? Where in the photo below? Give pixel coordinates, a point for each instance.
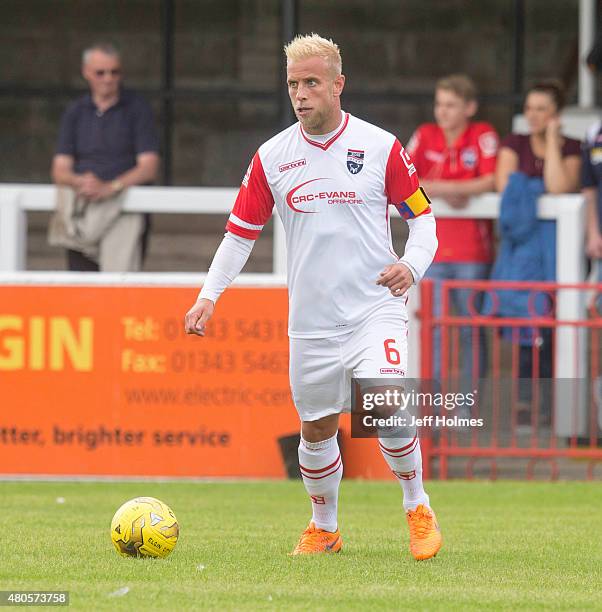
(332, 178)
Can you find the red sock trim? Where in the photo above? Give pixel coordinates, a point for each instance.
(321, 469)
(386, 451)
(324, 475)
(398, 450)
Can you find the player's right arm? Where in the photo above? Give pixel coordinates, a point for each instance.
(252, 209)
(404, 192)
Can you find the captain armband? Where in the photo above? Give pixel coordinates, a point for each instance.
(415, 205)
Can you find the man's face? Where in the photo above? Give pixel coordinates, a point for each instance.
(315, 92)
(103, 73)
(452, 112)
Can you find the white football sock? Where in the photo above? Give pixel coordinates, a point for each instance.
(322, 469)
(405, 460)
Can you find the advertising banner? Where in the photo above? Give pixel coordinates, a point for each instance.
(102, 380)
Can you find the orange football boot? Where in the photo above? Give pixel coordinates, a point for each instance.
(425, 535)
(315, 540)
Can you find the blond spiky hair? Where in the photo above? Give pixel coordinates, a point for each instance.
(312, 45)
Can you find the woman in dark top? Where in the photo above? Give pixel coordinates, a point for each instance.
(543, 153)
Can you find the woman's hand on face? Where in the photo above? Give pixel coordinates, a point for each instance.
(553, 129)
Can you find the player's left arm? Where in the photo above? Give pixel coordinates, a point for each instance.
(403, 191)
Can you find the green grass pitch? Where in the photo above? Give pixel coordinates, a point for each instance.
(507, 545)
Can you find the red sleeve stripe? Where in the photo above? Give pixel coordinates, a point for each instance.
(242, 231)
(401, 181)
(238, 221)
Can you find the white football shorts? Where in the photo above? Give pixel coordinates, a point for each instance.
(321, 368)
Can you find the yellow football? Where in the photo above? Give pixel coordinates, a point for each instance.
(144, 527)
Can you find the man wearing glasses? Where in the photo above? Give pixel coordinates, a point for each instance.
(107, 142)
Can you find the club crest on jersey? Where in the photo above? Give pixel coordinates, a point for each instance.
(355, 160)
(469, 157)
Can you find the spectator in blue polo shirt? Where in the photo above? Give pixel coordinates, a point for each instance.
(107, 142)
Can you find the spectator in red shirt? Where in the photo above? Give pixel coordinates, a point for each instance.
(455, 159)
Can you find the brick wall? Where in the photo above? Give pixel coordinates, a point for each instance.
(402, 46)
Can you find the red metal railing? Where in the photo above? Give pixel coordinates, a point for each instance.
(564, 415)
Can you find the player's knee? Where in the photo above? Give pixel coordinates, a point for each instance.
(321, 429)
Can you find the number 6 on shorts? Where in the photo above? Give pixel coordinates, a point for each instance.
(391, 353)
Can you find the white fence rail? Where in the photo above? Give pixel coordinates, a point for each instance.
(568, 211)
(17, 199)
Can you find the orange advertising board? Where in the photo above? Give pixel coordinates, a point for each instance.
(103, 381)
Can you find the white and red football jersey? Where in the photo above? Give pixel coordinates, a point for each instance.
(332, 193)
